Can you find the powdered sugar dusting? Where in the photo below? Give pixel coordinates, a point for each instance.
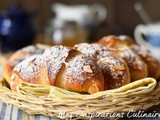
(24, 53)
(64, 68)
(108, 61)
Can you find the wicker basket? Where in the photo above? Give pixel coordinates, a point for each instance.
(60, 103)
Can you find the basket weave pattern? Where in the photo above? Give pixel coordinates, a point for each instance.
(38, 102)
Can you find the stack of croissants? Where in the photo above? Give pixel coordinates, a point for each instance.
(112, 62)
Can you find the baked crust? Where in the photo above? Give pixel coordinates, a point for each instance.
(114, 68)
(17, 57)
(60, 66)
(137, 67)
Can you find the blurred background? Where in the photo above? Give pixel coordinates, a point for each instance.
(70, 21)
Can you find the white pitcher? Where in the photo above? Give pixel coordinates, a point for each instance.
(84, 15)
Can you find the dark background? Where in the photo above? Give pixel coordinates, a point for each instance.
(121, 15)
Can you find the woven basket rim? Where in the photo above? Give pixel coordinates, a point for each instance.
(52, 106)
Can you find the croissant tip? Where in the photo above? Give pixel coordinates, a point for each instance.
(93, 88)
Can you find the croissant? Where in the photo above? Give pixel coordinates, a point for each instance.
(60, 66)
(114, 68)
(152, 63)
(17, 57)
(137, 67)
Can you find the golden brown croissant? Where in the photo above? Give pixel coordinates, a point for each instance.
(17, 57)
(114, 68)
(62, 67)
(152, 63)
(137, 67)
